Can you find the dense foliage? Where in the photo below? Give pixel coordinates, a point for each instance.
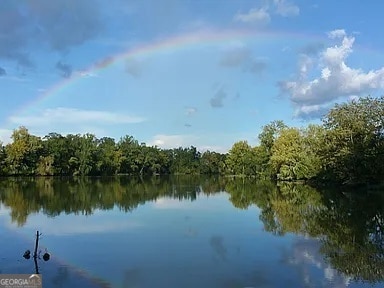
(347, 148)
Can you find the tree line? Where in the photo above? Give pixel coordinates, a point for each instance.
(348, 147)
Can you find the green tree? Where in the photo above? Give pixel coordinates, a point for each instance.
(109, 157)
(269, 134)
(128, 147)
(292, 156)
(61, 149)
(83, 154)
(353, 149)
(2, 159)
(239, 159)
(212, 163)
(185, 160)
(267, 137)
(23, 153)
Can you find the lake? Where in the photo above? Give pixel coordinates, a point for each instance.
(191, 232)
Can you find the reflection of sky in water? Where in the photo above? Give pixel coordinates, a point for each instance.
(168, 243)
(304, 255)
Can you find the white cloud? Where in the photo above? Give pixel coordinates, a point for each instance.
(173, 141)
(255, 15)
(190, 111)
(308, 112)
(262, 15)
(285, 8)
(85, 74)
(335, 78)
(62, 115)
(337, 33)
(185, 140)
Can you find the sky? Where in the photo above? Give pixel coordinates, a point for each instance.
(172, 73)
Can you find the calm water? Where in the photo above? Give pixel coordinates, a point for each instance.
(191, 232)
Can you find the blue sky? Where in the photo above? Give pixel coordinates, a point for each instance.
(250, 62)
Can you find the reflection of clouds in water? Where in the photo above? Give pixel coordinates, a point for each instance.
(4, 210)
(218, 247)
(305, 256)
(75, 224)
(170, 203)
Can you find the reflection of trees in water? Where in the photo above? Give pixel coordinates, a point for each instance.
(54, 196)
(349, 224)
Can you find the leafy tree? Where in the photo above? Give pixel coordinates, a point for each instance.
(239, 158)
(83, 154)
(292, 156)
(353, 149)
(61, 149)
(269, 134)
(128, 147)
(45, 166)
(212, 163)
(23, 153)
(109, 157)
(2, 159)
(185, 160)
(267, 137)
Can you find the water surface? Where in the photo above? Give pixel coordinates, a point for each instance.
(191, 232)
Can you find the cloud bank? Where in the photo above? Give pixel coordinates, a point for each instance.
(59, 24)
(64, 115)
(262, 15)
(335, 79)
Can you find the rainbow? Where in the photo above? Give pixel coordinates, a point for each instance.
(162, 45)
(169, 44)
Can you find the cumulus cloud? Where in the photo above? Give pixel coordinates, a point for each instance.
(285, 8)
(60, 24)
(254, 16)
(64, 69)
(335, 79)
(310, 112)
(74, 116)
(218, 98)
